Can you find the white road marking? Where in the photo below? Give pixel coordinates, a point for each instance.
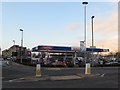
(53, 68)
(102, 75)
(22, 78)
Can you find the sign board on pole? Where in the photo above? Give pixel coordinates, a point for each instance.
(82, 46)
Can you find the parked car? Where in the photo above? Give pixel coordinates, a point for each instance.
(60, 62)
(118, 61)
(100, 62)
(53, 62)
(47, 62)
(69, 62)
(80, 61)
(111, 62)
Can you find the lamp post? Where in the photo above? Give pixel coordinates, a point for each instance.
(92, 30)
(21, 45)
(85, 3)
(13, 42)
(92, 40)
(0, 53)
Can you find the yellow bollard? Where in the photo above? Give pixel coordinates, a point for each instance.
(87, 69)
(38, 70)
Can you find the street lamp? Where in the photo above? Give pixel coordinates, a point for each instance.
(92, 39)
(92, 30)
(13, 42)
(85, 3)
(21, 45)
(0, 53)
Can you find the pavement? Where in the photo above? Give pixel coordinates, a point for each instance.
(55, 78)
(68, 77)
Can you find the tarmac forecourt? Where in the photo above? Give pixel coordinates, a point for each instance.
(76, 76)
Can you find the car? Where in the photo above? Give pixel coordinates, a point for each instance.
(60, 62)
(53, 62)
(79, 61)
(111, 62)
(118, 61)
(8, 58)
(47, 62)
(69, 62)
(101, 62)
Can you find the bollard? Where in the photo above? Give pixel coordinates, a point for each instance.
(38, 70)
(87, 69)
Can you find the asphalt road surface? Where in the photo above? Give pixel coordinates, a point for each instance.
(103, 77)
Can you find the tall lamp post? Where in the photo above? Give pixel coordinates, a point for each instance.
(92, 39)
(13, 42)
(21, 45)
(92, 30)
(0, 53)
(85, 3)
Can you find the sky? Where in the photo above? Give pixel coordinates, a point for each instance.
(58, 23)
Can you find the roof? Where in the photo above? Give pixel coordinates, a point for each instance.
(44, 48)
(56, 48)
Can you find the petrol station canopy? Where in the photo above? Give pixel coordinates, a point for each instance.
(65, 49)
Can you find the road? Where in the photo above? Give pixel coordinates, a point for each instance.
(107, 77)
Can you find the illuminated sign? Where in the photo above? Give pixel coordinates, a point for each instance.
(75, 48)
(46, 48)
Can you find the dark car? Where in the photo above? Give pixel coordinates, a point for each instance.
(60, 62)
(80, 61)
(69, 62)
(47, 62)
(53, 62)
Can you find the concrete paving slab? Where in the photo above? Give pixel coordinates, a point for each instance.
(90, 75)
(45, 77)
(70, 77)
(34, 78)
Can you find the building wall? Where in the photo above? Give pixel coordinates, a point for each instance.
(0, 53)
(14, 49)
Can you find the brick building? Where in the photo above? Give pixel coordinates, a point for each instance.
(15, 52)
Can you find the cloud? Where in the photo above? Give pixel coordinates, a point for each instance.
(72, 26)
(107, 24)
(106, 31)
(110, 43)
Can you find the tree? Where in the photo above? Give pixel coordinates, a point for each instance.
(39, 55)
(33, 55)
